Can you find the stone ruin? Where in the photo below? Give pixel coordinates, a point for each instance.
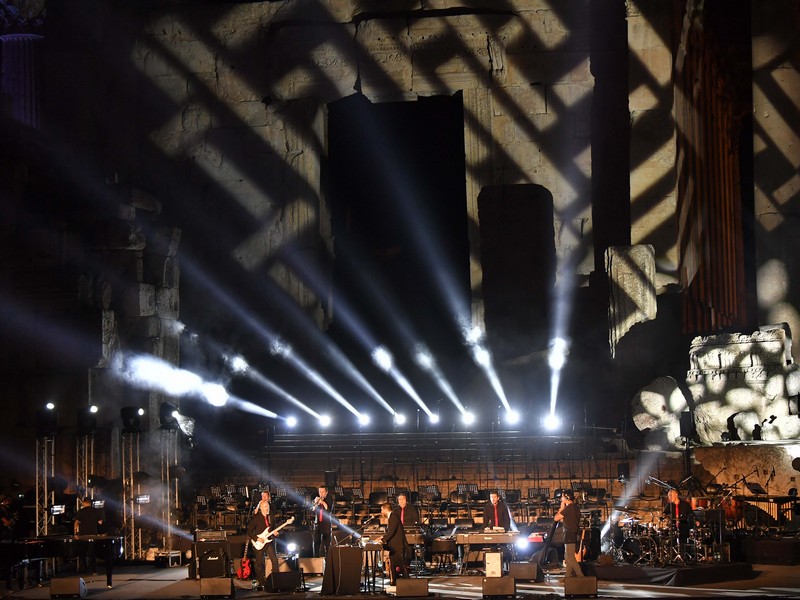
(743, 388)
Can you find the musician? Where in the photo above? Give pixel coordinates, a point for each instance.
(8, 519)
(679, 512)
(259, 524)
(323, 526)
(569, 515)
(265, 497)
(496, 513)
(408, 513)
(394, 540)
(88, 521)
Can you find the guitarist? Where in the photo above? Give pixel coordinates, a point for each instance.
(260, 523)
(570, 517)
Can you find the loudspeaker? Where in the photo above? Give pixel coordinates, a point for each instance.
(623, 471)
(493, 564)
(499, 587)
(411, 588)
(68, 587)
(580, 587)
(217, 587)
(330, 480)
(287, 581)
(526, 571)
(213, 559)
(311, 566)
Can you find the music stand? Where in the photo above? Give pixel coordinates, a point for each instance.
(755, 488)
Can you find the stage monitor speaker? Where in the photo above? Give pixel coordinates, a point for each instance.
(580, 587)
(623, 471)
(526, 571)
(217, 587)
(311, 566)
(68, 587)
(499, 587)
(411, 588)
(288, 581)
(330, 480)
(493, 564)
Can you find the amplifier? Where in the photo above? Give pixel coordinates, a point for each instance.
(210, 535)
(493, 564)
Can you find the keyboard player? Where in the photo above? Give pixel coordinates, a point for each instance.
(88, 522)
(496, 513)
(407, 513)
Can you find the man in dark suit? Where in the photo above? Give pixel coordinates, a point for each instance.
(322, 511)
(394, 540)
(680, 515)
(258, 526)
(408, 513)
(496, 513)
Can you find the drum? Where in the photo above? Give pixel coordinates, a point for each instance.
(734, 509)
(637, 550)
(700, 503)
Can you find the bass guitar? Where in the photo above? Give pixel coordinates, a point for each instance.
(266, 536)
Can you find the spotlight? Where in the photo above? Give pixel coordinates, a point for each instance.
(512, 417)
(434, 418)
(215, 394)
(399, 418)
(291, 422)
(87, 420)
(363, 419)
(522, 543)
(383, 358)
(47, 420)
(557, 354)
(168, 415)
(238, 364)
(324, 421)
(468, 418)
(291, 547)
(131, 419)
(552, 422)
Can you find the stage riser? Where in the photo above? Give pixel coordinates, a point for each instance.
(772, 552)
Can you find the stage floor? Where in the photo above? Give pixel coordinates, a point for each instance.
(153, 583)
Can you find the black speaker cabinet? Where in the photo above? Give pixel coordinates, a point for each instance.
(213, 559)
(411, 588)
(67, 587)
(287, 581)
(580, 587)
(342, 575)
(217, 587)
(526, 571)
(499, 587)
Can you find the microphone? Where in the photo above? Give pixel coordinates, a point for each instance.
(647, 481)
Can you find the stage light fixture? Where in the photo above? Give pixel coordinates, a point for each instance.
(131, 419)
(87, 420)
(512, 417)
(291, 547)
(399, 418)
(324, 421)
(47, 420)
(363, 420)
(551, 421)
(434, 418)
(291, 422)
(168, 415)
(468, 418)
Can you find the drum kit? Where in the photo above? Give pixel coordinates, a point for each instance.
(645, 537)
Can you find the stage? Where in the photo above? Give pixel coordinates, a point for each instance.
(155, 583)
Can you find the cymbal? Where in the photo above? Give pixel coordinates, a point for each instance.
(631, 509)
(630, 520)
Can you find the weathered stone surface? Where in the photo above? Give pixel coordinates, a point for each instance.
(138, 300)
(740, 384)
(656, 409)
(631, 271)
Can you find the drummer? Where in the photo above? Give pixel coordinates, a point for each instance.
(679, 513)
